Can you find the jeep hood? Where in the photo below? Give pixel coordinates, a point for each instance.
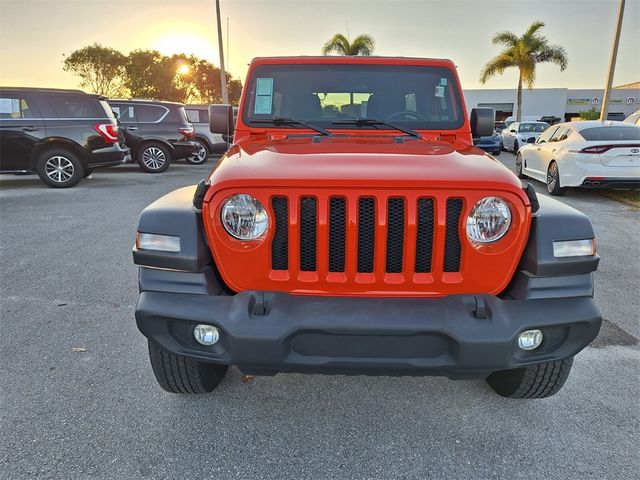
(342, 161)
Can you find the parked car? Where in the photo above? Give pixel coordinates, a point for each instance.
(208, 142)
(525, 118)
(490, 143)
(590, 154)
(499, 126)
(550, 119)
(157, 132)
(633, 118)
(517, 134)
(328, 242)
(61, 135)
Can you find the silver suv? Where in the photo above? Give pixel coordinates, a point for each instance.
(208, 142)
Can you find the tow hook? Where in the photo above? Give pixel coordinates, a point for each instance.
(481, 311)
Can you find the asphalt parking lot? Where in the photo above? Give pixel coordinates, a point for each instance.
(68, 283)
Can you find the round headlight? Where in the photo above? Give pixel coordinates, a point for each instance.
(489, 220)
(244, 217)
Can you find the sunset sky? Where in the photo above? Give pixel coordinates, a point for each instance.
(35, 34)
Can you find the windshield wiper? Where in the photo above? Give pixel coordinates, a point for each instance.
(292, 121)
(373, 122)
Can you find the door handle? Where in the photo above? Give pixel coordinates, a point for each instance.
(30, 129)
(132, 128)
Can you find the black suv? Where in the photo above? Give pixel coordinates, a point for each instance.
(157, 132)
(61, 135)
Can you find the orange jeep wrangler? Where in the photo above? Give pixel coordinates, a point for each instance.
(353, 228)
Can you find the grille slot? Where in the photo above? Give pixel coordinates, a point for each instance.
(337, 234)
(452, 246)
(366, 234)
(308, 234)
(280, 242)
(424, 235)
(395, 235)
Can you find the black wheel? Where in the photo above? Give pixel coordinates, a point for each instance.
(59, 168)
(154, 158)
(178, 374)
(201, 154)
(516, 147)
(553, 180)
(518, 168)
(497, 152)
(87, 172)
(535, 381)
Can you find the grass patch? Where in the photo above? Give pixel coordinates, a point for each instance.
(629, 197)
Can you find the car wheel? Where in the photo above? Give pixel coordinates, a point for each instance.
(535, 381)
(553, 180)
(154, 158)
(497, 152)
(516, 147)
(60, 168)
(201, 155)
(178, 374)
(518, 168)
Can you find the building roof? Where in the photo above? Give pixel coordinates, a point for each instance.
(628, 85)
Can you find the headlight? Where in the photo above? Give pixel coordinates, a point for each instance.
(244, 217)
(489, 220)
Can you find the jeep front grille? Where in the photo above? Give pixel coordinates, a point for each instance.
(369, 231)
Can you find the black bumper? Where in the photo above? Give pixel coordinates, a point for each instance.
(108, 157)
(457, 336)
(183, 149)
(611, 183)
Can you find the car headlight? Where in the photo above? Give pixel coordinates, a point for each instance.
(244, 217)
(489, 220)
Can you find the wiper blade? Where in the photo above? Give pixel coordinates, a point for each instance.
(293, 121)
(373, 121)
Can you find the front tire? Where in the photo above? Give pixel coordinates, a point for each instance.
(59, 168)
(553, 180)
(518, 169)
(154, 158)
(178, 374)
(201, 155)
(534, 381)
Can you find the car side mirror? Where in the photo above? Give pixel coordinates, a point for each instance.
(221, 120)
(531, 140)
(482, 121)
(513, 131)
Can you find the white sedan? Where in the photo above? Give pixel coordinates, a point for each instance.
(518, 134)
(590, 154)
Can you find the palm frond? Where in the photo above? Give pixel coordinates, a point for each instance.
(362, 45)
(506, 38)
(554, 54)
(497, 65)
(338, 44)
(533, 28)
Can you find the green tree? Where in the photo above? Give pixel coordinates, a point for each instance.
(153, 75)
(591, 114)
(101, 69)
(524, 53)
(362, 45)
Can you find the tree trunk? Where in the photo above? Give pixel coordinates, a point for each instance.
(519, 99)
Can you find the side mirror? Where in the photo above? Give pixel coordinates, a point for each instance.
(531, 140)
(221, 120)
(513, 131)
(482, 121)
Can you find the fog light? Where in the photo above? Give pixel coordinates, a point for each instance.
(206, 334)
(530, 339)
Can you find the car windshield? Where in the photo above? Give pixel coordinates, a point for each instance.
(337, 96)
(611, 133)
(533, 127)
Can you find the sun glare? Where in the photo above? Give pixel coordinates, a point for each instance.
(174, 43)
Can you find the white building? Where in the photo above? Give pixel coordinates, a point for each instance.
(560, 102)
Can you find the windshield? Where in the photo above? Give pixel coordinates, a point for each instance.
(533, 127)
(335, 96)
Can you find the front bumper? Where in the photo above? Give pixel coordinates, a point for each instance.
(458, 336)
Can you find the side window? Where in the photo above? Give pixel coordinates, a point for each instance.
(149, 113)
(126, 113)
(74, 106)
(545, 136)
(15, 107)
(559, 134)
(198, 115)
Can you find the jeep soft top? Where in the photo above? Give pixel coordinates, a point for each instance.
(353, 228)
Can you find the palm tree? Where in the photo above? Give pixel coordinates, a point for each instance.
(525, 53)
(361, 45)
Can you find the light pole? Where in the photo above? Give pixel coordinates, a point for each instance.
(223, 75)
(612, 65)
